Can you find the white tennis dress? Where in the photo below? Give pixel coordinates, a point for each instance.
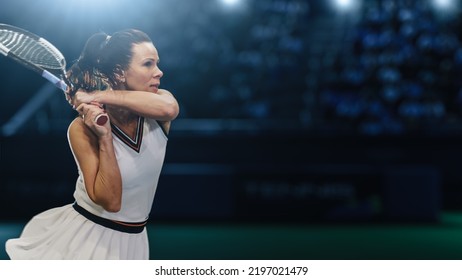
(64, 233)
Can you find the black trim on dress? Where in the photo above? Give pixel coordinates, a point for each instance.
(135, 144)
(115, 225)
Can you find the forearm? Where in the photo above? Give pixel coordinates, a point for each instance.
(108, 182)
(161, 106)
(94, 153)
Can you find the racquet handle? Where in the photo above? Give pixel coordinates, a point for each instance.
(101, 119)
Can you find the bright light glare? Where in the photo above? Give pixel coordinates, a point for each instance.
(345, 5)
(445, 4)
(234, 5)
(231, 2)
(87, 4)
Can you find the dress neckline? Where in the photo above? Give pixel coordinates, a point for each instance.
(134, 143)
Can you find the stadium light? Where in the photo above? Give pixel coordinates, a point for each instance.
(345, 5)
(233, 5)
(444, 4)
(231, 2)
(446, 7)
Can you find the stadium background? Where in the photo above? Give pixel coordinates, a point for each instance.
(308, 129)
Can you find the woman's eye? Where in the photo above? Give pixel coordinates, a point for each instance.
(148, 64)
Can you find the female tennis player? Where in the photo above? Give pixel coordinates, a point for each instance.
(118, 163)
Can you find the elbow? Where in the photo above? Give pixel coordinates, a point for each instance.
(171, 111)
(113, 208)
(168, 109)
(107, 190)
(113, 204)
(110, 205)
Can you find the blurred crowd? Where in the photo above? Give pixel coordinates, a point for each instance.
(395, 70)
(402, 73)
(243, 62)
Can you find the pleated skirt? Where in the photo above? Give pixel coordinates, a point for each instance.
(63, 234)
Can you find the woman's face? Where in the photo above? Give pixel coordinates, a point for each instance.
(143, 73)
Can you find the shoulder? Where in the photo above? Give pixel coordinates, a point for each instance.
(153, 124)
(79, 132)
(76, 127)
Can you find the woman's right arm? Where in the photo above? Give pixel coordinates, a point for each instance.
(93, 148)
(161, 106)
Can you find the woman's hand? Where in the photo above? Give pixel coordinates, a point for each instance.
(89, 113)
(81, 97)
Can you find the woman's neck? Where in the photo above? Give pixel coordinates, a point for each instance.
(125, 120)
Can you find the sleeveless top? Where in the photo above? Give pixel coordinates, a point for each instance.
(140, 162)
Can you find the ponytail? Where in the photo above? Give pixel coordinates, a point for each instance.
(84, 73)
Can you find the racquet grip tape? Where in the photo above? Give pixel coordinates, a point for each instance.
(101, 119)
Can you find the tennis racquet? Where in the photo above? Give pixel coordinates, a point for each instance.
(39, 55)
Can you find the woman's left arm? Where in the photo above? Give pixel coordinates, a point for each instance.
(161, 106)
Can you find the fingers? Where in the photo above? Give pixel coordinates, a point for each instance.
(76, 100)
(97, 104)
(90, 113)
(83, 97)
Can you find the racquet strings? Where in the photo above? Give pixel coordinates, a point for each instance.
(38, 52)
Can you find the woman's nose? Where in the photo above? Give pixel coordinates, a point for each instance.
(159, 74)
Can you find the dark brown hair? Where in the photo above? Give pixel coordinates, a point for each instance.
(102, 58)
